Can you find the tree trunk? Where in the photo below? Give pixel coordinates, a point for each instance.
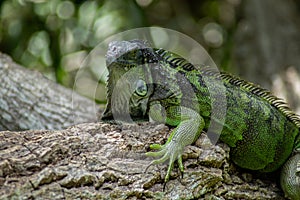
(267, 47)
(267, 39)
(28, 100)
(103, 161)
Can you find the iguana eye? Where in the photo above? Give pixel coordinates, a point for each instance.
(141, 88)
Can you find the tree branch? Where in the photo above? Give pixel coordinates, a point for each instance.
(31, 101)
(103, 161)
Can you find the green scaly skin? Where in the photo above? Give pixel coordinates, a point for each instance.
(262, 132)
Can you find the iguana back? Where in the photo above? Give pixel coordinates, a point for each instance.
(260, 129)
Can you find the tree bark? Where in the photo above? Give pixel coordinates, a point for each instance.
(28, 100)
(103, 161)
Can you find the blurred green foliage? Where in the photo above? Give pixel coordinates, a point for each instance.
(53, 36)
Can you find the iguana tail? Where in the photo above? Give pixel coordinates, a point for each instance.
(290, 177)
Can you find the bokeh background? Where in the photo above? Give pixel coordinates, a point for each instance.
(257, 40)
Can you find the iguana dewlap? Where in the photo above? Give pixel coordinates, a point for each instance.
(262, 132)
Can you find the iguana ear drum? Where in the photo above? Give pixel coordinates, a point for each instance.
(260, 129)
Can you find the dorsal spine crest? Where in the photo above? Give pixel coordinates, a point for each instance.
(177, 62)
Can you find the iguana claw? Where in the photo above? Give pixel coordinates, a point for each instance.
(184, 134)
(167, 152)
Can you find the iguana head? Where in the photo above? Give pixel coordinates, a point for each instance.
(128, 81)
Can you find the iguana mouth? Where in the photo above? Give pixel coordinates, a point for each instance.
(260, 129)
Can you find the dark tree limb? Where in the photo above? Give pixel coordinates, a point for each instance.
(103, 161)
(28, 100)
(267, 39)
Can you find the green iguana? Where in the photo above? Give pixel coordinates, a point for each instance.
(262, 132)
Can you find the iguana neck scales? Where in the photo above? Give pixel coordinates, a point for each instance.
(261, 130)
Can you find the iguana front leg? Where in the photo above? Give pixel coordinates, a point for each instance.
(290, 177)
(189, 126)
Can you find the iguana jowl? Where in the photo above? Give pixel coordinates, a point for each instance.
(262, 132)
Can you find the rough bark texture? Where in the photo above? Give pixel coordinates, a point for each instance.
(28, 100)
(103, 161)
